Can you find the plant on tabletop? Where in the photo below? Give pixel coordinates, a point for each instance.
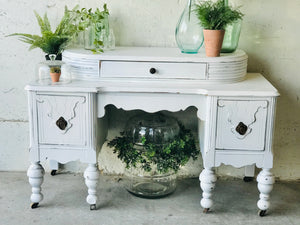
(52, 42)
(213, 17)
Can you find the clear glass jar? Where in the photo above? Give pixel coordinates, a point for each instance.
(53, 72)
(156, 129)
(89, 37)
(99, 32)
(189, 33)
(151, 184)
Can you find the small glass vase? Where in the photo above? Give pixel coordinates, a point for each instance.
(189, 33)
(89, 37)
(232, 35)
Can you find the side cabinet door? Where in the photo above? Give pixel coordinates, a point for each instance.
(62, 120)
(241, 124)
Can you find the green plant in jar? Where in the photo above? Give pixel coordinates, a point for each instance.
(167, 156)
(94, 24)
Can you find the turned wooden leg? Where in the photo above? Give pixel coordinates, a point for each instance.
(265, 183)
(207, 183)
(91, 175)
(35, 175)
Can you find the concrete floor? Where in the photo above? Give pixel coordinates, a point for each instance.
(64, 203)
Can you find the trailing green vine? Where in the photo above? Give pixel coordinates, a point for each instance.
(167, 156)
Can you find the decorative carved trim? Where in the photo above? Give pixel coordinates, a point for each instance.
(54, 114)
(234, 127)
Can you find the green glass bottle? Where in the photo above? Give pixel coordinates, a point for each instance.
(232, 36)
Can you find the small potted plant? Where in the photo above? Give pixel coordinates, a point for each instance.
(52, 42)
(55, 73)
(213, 17)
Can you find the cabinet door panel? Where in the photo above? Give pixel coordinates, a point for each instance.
(241, 125)
(62, 120)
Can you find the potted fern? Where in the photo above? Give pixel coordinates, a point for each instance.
(52, 42)
(213, 17)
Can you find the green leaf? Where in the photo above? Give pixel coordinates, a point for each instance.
(216, 15)
(169, 156)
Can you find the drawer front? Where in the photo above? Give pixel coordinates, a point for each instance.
(157, 70)
(62, 120)
(241, 125)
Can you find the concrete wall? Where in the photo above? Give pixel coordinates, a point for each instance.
(270, 35)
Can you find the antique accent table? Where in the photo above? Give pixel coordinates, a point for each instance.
(236, 111)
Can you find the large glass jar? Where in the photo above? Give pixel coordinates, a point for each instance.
(189, 33)
(53, 72)
(156, 129)
(149, 184)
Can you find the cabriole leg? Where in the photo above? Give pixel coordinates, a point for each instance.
(35, 175)
(207, 183)
(91, 176)
(265, 183)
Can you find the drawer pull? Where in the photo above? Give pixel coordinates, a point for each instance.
(61, 123)
(241, 128)
(152, 70)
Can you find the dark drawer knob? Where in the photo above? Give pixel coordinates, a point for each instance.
(241, 128)
(61, 123)
(152, 70)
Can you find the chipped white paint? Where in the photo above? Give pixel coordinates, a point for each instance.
(268, 36)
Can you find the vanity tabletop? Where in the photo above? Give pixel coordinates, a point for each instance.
(253, 85)
(153, 54)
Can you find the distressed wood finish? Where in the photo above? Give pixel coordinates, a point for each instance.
(235, 120)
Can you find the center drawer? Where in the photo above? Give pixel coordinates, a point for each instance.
(156, 70)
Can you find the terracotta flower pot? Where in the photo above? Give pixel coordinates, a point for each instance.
(213, 40)
(55, 77)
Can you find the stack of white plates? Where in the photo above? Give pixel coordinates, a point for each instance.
(82, 66)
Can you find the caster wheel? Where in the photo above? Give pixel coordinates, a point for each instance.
(53, 172)
(262, 213)
(34, 205)
(93, 207)
(248, 179)
(205, 210)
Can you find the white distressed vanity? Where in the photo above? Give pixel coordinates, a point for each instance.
(236, 111)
